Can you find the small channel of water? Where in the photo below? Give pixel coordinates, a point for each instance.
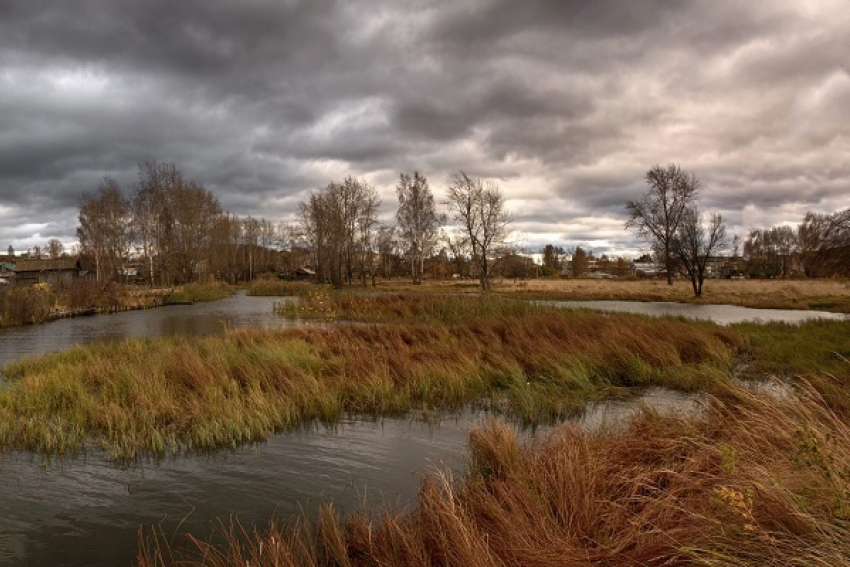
(720, 314)
(212, 318)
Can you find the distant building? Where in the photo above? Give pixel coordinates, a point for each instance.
(59, 273)
(649, 270)
(7, 270)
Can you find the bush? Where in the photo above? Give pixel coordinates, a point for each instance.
(27, 305)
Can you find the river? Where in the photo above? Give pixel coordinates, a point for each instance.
(86, 510)
(239, 310)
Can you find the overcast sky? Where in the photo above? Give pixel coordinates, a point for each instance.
(564, 103)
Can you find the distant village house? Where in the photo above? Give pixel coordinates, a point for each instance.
(59, 273)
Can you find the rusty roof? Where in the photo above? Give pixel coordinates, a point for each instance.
(57, 265)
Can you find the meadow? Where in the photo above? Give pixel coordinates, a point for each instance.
(821, 294)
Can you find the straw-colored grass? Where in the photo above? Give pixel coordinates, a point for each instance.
(172, 394)
(200, 292)
(272, 287)
(822, 294)
(753, 480)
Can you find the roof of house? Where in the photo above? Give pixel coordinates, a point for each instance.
(57, 265)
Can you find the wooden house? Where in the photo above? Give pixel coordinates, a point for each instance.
(59, 273)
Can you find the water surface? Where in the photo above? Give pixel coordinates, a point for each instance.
(87, 510)
(212, 318)
(720, 314)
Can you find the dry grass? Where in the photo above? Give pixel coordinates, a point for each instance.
(826, 295)
(171, 394)
(200, 292)
(823, 295)
(752, 481)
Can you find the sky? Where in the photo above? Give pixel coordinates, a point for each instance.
(564, 104)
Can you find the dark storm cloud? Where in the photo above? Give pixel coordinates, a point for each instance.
(564, 103)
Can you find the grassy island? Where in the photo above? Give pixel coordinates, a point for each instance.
(166, 395)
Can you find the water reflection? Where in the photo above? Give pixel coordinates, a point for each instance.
(199, 319)
(86, 511)
(720, 314)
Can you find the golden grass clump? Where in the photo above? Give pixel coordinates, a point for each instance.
(752, 480)
(200, 292)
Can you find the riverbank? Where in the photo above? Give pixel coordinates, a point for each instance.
(752, 480)
(37, 304)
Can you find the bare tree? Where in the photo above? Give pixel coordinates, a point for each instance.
(479, 209)
(55, 248)
(175, 220)
(417, 220)
(659, 212)
(367, 220)
(338, 222)
(694, 244)
(387, 244)
(457, 243)
(552, 258)
(827, 243)
(104, 230)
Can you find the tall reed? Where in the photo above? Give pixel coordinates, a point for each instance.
(752, 480)
(201, 292)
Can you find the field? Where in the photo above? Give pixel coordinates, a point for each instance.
(822, 295)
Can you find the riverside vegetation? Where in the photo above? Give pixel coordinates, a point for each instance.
(750, 480)
(165, 395)
(34, 304)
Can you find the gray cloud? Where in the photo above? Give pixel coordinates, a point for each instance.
(564, 103)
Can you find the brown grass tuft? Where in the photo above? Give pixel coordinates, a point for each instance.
(755, 482)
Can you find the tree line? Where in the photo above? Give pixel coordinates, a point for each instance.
(339, 224)
(819, 246)
(176, 231)
(172, 230)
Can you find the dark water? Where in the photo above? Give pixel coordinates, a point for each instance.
(87, 511)
(199, 319)
(720, 314)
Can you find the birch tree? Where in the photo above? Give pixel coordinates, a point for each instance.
(479, 210)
